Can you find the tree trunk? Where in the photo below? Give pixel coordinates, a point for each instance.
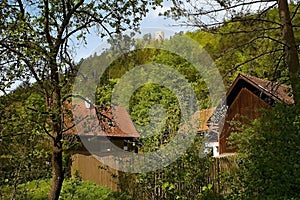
(57, 171)
(55, 106)
(291, 52)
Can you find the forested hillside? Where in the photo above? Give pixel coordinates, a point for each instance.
(26, 140)
(233, 53)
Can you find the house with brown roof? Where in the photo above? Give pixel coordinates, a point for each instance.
(103, 132)
(246, 97)
(110, 124)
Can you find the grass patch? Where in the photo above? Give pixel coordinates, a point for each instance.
(72, 189)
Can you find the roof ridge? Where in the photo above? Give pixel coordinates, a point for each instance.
(274, 88)
(262, 79)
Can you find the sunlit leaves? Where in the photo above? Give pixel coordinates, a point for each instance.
(269, 149)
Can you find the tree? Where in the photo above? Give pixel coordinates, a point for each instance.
(211, 15)
(35, 44)
(268, 150)
(24, 152)
(187, 177)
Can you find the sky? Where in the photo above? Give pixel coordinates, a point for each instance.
(150, 24)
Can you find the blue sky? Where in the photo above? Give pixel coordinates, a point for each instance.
(151, 23)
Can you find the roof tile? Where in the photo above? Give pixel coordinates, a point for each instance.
(108, 121)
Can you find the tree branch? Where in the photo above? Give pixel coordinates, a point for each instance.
(277, 65)
(266, 10)
(295, 12)
(250, 42)
(65, 24)
(99, 21)
(249, 31)
(47, 132)
(251, 59)
(46, 26)
(202, 12)
(22, 56)
(32, 109)
(22, 11)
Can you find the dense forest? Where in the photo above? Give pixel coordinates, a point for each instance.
(268, 168)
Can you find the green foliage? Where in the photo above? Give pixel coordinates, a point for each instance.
(73, 189)
(76, 189)
(185, 178)
(211, 42)
(166, 117)
(24, 152)
(268, 148)
(208, 193)
(269, 167)
(35, 44)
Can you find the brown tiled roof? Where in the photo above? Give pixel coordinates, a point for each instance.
(276, 91)
(108, 121)
(280, 91)
(204, 118)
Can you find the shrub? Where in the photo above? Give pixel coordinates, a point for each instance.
(73, 189)
(269, 149)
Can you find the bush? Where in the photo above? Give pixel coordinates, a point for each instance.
(269, 149)
(73, 189)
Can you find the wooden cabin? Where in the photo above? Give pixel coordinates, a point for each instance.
(244, 101)
(103, 133)
(246, 97)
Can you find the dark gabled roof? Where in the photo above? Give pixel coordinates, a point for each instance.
(268, 91)
(262, 88)
(108, 121)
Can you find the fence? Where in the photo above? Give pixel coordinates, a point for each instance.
(91, 169)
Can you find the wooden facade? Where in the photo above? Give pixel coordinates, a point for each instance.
(88, 167)
(246, 105)
(245, 99)
(103, 132)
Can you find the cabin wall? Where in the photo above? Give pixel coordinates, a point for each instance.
(246, 105)
(91, 169)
